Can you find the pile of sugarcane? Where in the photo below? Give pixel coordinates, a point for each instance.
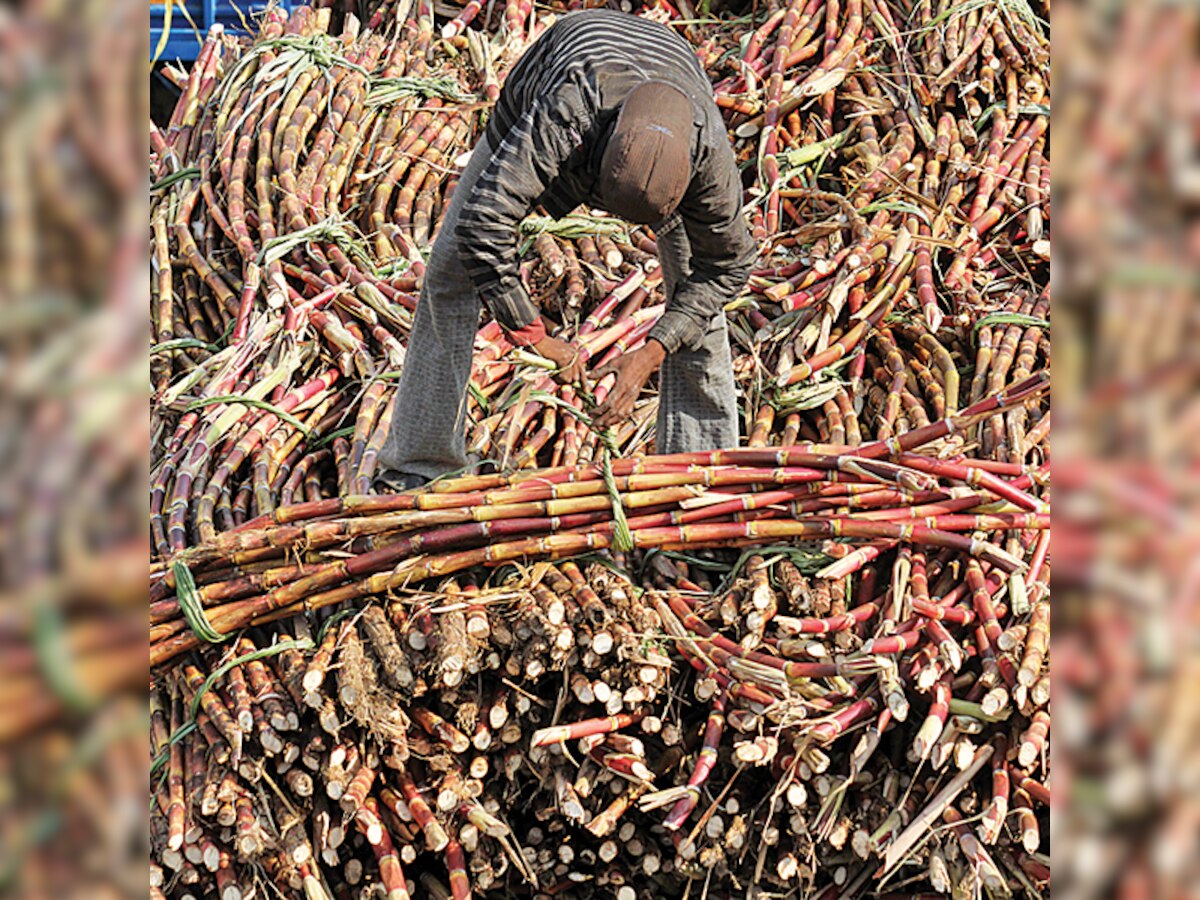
(355, 692)
(666, 679)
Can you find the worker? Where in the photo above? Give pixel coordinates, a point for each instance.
(613, 111)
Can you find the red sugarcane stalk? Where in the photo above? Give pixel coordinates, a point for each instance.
(435, 835)
(836, 725)
(935, 721)
(556, 734)
(997, 811)
(391, 875)
(456, 864)
(705, 763)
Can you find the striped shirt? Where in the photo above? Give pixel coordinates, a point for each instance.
(548, 131)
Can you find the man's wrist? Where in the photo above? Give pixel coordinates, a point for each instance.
(657, 351)
(530, 335)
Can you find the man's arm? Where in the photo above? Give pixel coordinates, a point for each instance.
(527, 160)
(722, 252)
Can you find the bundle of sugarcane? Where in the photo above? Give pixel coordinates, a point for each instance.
(244, 577)
(401, 698)
(304, 110)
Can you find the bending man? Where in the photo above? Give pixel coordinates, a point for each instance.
(613, 111)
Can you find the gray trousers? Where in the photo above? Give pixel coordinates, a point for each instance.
(697, 401)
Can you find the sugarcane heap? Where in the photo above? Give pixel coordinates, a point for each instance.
(605, 664)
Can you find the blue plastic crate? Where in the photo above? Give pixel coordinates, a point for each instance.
(183, 43)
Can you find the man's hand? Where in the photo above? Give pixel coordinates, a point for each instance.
(566, 356)
(633, 370)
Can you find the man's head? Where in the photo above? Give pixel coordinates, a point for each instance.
(647, 164)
